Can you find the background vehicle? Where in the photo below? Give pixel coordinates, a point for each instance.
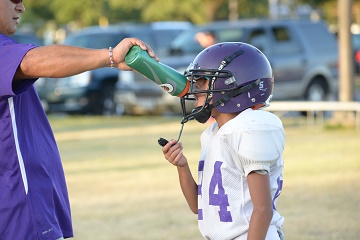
(356, 52)
(303, 55)
(27, 37)
(93, 91)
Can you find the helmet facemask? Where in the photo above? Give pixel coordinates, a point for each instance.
(202, 113)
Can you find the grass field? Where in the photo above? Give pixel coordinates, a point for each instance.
(121, 187)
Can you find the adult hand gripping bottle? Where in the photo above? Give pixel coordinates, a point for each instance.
(166, 77)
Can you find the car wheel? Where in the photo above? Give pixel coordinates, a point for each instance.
(316, 91)
(108, 103)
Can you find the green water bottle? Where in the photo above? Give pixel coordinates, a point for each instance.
(166, 77)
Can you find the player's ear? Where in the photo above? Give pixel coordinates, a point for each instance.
(257, 106)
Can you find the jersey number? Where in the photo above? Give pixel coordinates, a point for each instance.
(217, 195)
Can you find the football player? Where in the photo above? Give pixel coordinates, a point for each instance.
(240, 170)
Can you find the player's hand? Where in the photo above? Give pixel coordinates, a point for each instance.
(120, 51)
(173, 152)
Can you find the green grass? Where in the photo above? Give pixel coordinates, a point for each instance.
(121, 187)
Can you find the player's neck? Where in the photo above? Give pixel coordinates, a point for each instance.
(222, 118)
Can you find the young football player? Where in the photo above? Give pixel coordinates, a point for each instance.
(240, 170)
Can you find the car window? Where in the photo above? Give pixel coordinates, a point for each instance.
(281, 34)
(258, 39)
(186, 43)
(159, 40)
(155, 41)
(283, 42)
(318, 36)
(229, 35)
(96, 41)
(163, 38)
(145, 36)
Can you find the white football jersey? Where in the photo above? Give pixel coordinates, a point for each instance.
(253, 141)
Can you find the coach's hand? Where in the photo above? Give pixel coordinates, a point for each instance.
(123, 48)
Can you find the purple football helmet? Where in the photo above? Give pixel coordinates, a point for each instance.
(240, 76)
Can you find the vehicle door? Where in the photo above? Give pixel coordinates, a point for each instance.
(286, 57)
(289, 62)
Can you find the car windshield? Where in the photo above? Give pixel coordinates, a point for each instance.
(27, 39)
(159, 40)
(186, 42)
(96, 41)
(163, 38)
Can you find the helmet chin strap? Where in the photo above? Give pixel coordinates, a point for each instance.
(240, 90)
(203, 113)
(200, 114)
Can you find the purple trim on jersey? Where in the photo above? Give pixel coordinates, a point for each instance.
(278, 191)
(33, 195)
(200, 214)
(200, 170)
(201, 165)
(200, 174)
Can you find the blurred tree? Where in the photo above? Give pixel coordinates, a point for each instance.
(329, 9)
(37, 13)
(82, 12)
(251, 9)
(196, 11)
(37, 9)
(90, 12)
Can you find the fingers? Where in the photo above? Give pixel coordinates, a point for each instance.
(171, 143)
(170, 147)
(151, 52)
(143, 45)
(120, 51)
(178, 159)
(173, 152)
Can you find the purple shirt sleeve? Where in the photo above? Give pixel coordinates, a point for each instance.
(11, 55)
